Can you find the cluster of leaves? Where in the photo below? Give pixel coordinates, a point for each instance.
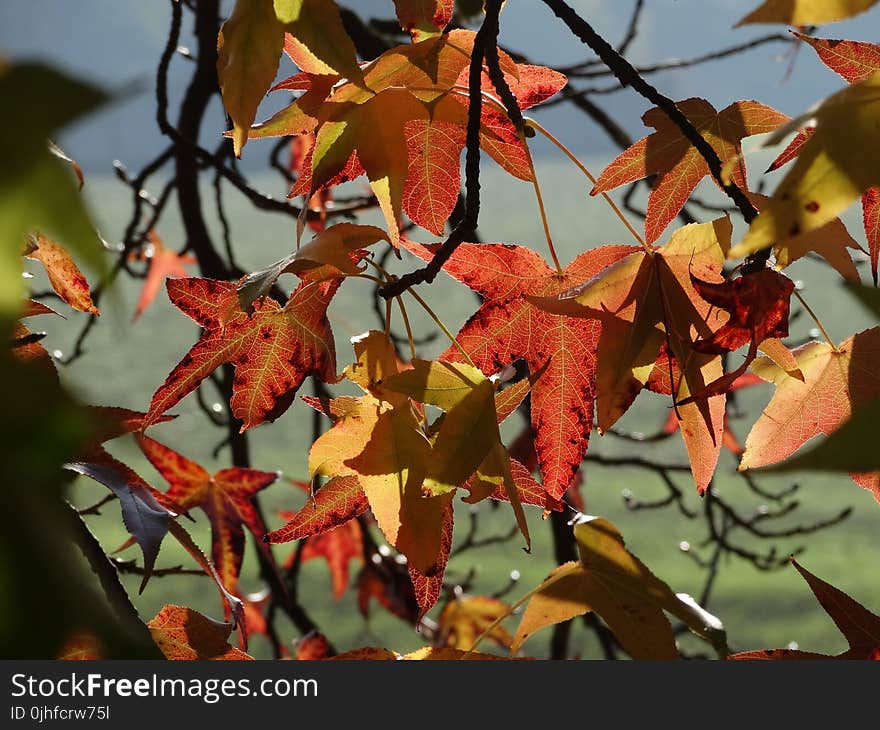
(592, 334)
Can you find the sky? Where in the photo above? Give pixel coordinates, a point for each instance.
(116, 44)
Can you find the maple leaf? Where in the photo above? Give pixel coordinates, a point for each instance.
(341, 499)
(507, 327)
(184, 634)
(412, 124)
(611, 581)
(829, 241)
(427, 588)
(805, 12)
(838, 162)
(859, 626)
(468, 440)
(381, 444)
(854, 61)
(465, 618)
(164, 263)
(226, 498)
(644, 301)
(729, 439)
(64, 275)
(835, 378)
(329, 255)
(758, 303)
(334, 534)
(146, 512)
(669, 155)
(273, 350)
(249, 47)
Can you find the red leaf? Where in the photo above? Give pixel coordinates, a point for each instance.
(64, 275)
(164, 263)
(273, 350)
(758, 304)
(507, 327)
(338, 501)
(427, 588)
(226, 498)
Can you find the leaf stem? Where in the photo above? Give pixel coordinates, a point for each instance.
(512, 609)
(541, 208)
(442, 327)
(583, 168)
(816, 320)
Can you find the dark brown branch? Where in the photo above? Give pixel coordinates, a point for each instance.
(487, 36)
(628, 76)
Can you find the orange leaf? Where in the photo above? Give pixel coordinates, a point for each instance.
(184, 634)
(164, 263)
(677, 164)
(64, 275)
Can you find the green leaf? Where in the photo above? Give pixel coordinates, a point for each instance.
(37, 190)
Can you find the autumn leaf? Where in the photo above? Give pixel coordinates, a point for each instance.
(468, 439)
(611, 581)
(64, 275)
(677, 164)
(334, 533)
(507, 327)
(806, 12)
(427, 588)
(163, 263)
(327, 256)
(854, 61)
(424, 18)
(226, 498)
(859, 626)
(37, 190)
(317, 28)
(273, 350)
(184, 634)
(412, 122)
(381, 444)
(758, 304)
(248, 49)
(340, 500)
(838, 162)
(644, 301)
(837, 377)
(465, 618)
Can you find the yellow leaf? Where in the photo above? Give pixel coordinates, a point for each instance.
(248, 49)
(806, 12)
(317, 26)
(839, 161)
(616, 585)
